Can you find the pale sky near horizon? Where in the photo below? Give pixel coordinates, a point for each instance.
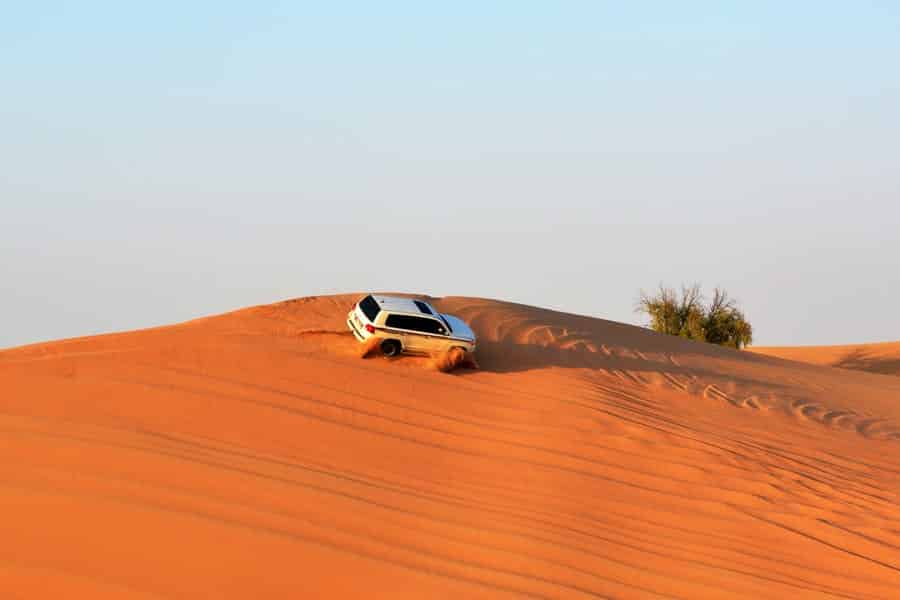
(172, 160)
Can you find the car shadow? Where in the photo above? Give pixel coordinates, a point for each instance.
(858, 360)
(511, 357)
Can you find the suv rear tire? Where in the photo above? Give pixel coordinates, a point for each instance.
(390, 347)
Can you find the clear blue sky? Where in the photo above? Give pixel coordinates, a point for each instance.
(175, 159)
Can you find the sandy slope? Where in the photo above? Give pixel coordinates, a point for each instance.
(876, 358)
(252, 455)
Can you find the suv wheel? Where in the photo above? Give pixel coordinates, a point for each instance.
(390, 347)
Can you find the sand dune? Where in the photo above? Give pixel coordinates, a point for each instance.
(256, 455)
(876, 358)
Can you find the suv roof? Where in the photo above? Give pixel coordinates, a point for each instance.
(411, 306)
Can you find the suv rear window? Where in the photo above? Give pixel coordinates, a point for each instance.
(369, 307)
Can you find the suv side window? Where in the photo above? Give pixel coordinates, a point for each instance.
(398, 321)
(414, 324)
(430, 326)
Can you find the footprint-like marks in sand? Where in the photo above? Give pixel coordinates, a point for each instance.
(714, 393)
(753, 401)
(664, 369)
(839, 418)
(874, 428)
(676, 383)
(807, 410)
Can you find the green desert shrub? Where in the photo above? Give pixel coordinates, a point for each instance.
(687, 315)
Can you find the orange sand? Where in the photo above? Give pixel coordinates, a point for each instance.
(876, 358)
(256, 455)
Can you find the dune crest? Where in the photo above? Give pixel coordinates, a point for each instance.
(253, 454)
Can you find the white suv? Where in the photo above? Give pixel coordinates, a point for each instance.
(408, 325)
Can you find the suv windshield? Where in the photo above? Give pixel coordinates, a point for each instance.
(369, 307)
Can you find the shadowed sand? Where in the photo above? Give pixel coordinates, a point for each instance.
(876, 358)
(256, 455)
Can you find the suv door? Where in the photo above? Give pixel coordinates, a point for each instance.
(417, 334)
(436, 339)
(401, 328)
